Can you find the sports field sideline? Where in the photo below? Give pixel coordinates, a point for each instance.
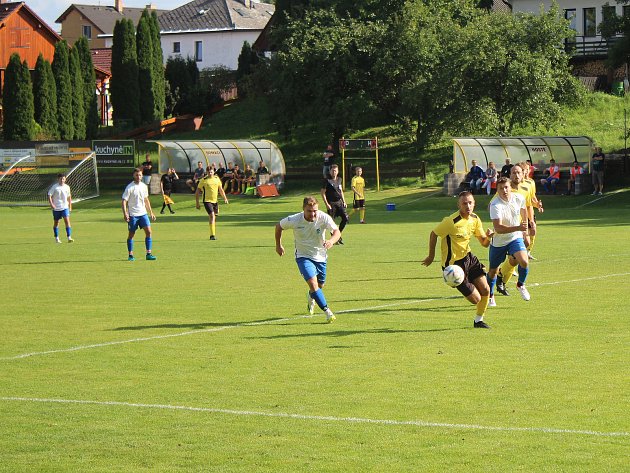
(206, 359)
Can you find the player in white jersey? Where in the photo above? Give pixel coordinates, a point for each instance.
(311, 249)
(60, 200)
(509, 217)
(135, 206)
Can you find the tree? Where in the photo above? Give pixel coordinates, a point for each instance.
(146, 83)
(61, 71)
(247, 60)
(92, 119)
(124, 87)
(19, 113)
(183, 78)
(45, 98)
(159, 82)
(78, 99)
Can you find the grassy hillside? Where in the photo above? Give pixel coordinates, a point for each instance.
(601, 117)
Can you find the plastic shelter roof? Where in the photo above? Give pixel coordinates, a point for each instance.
(540, 149)
(184, 155)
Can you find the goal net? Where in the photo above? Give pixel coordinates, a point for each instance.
(28, 179)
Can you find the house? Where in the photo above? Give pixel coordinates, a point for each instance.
(25, 33)
(212, 32)
(96, 22)
(584, 17)
(102, 61)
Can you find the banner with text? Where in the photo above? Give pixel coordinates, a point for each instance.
(114, 153)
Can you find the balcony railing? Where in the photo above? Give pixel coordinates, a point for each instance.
(590, 46)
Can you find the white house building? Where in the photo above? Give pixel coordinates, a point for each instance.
(212, 32)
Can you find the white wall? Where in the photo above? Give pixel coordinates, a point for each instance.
(220, 48)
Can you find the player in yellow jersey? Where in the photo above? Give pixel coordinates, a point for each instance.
(536, 202)
(209, 188)
(456, 231)
(358, 199)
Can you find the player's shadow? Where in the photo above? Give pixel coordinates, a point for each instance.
(61, 261)
(350, 333)
(411, 278)
(385, 299)
(196, 326)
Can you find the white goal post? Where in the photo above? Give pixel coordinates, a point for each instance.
(28, 179)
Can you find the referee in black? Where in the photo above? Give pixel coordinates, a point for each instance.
(332, 193)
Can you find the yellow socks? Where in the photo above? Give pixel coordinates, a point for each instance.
(506, 271)
(482, 305)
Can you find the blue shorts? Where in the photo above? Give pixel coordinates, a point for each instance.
(141, 222)
(498, 253)
(59, 214)
(309, 268)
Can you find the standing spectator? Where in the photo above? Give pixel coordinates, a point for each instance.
(60, 200)
(166, 186)
(553, 176)
(197, 175)
(507, 168)
(575, 171)
(209, 188)
(135, 207)
(332, 193)
(147, 169)
(358, 198)
(311, 249)
(455, 233)
(475, 177)
(491, 177)
(329, 160)
(598, 163)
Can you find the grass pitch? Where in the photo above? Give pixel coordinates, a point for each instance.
(204, 360)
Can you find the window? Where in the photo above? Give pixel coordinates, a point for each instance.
(176, 47)
(19, 37)
(626, 11)
(87, 31)
(198, 51)
(571, 15)
(590, 25)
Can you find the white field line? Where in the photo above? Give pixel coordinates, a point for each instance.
(602, 197)
(352, 420)
(214, 329)
(426, 196)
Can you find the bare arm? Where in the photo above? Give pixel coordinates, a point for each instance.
(501, 229)
(323, 193)
(222, 192)
(334, 238)
(279, 247)
(70, 202)
(147, 204)
(197, 192)
(125, 212)
(432, 242)
(486, 239)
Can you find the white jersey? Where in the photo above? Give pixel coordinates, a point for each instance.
(309, 236)
(135, 194)
(509, 214)
(60, 194)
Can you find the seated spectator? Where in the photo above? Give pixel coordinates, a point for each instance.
(575, 171)
(262, 173)
(532, 169)
(553, 176)
(236, 182)
(491, 177)
(220, 171)
(227, 177)
(249, 178)
(475, 177)
(506, 170)
(198, 174)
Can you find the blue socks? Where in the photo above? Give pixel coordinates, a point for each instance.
(130, 246)
(319, 298)
(522, 274)
(56, 231)
(492, 282)
(68, 231)
(148, 243)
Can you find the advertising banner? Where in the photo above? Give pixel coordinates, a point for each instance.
(114, 153)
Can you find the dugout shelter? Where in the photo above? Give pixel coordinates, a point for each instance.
(184, 156)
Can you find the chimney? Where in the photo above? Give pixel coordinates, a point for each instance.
(118, 5)
(150, 6)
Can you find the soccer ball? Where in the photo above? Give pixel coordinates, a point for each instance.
(453, 275)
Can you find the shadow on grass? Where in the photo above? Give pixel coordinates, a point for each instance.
(197, 326)
(350, 333)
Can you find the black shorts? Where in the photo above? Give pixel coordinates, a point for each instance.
(337, 210)
(211, 207)
(472, 269)
(358, 204)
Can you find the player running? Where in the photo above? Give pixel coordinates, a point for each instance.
(508, 213)
(311, 249)
(456, 231)
(209, 188)
(60, 200)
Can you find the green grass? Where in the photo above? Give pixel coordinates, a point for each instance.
(217, 328)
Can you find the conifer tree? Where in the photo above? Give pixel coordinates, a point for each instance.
(19, 114)
(61, 71)
(144, 46)
(159, 82)
(92, 119)
(124, 82)
(45, 98)
(78, 100)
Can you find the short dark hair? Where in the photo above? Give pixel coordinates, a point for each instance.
(502, 180)
(309, 201)
(61, 174)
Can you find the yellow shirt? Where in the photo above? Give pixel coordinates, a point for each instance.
(455, 232)
(358, 184)
(524, 188)
(210, 189)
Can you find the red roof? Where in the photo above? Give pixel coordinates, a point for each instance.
(102, 59)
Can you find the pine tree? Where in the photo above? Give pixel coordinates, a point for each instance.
(78, 100)
(144, 47)
(45, 98)
(61, 71)
(92, 119)
(159, 82)
(19, 113)
(124, 82)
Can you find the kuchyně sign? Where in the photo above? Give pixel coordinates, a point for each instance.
(114, 153)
